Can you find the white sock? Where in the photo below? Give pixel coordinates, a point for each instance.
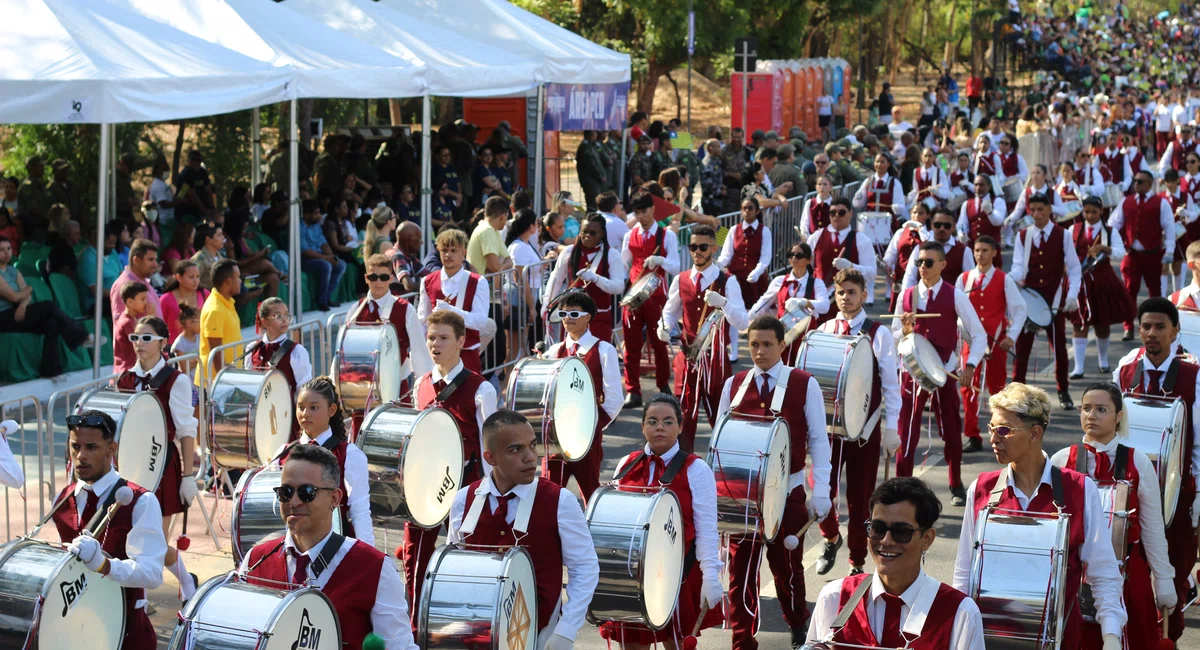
(1080, 351)
(1179, 285)
(1102, 352)
(186, 586)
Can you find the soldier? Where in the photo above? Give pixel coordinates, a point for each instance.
(589, 164)
(641, 167)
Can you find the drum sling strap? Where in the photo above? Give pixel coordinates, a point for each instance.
(1168, 383)
(459, 380)
(809, 291)
(776, 397)
(847, 611)
(284, 349)
(157, 381)
(112, 498)
(520, 524)
(669, 473)
(324, 558)
(1055, 485)
(1119, 466)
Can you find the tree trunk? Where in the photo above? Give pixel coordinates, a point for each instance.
(654, 70)
(178, 148)
(678, 98)
(924, 35)
(950, 52)
(897, 40)
(397, 115)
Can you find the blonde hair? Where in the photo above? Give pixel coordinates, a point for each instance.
(453, 237)
(1030, 403)
(1193, 251)
(379, 219)
(558, 199)
(379, 259)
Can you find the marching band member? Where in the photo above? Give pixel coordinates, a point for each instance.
(1103, 301)
(904, 241)
(1087, 175)
(592, 265)
(457, 291)
(962, 177)
(1068, 190)
(648, 248)
(11, 473)
(904, 606)
(576, 312)
(800, 404)
(929, 182)
(130, 551)
(985, 160)
(815, 215)
(470, 399)
(880, 192)
(1012, 163)
(275, 350)
(1177, 151)
(1039, 183)
(1118, 164)
(1185, 211)
(958, 256)
(1189, 184)
(1029, 482)
(747, 252)
(861, 459)
(1044, 260)
(981, 215)
(664, 463)
(380, 305)
(694, 294)
(486, 512)
(362, 583)
(1145, 221)
(795, 291)
(1157, 369)
(933, 295)
(1001, 310)
(1137, 161)
(1102, 456)
(1186, 297)
(838, 247)
(177, 487)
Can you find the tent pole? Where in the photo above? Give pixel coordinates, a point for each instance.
(621, 169)
(295, 278)
(426, 174)
(101, 213)
(539, 167)
(255, 149)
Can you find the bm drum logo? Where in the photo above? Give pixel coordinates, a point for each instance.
(669, 527)
(308, 637)
(447, 486)
(72, 590)
(518, 617)
(576, 381)
(155, 453)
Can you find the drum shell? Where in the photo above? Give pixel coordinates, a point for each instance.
(366, 365)
(150, 419)
(795, 325)
(705, 334)
(1156, 428)
(619, 523)
(843, 367)
(531, 391)
(877, 226)
(747, 485)
(389, 440)
(1012, 190)
(256, 516)
(1189, 330)
(642, 290)
(469, 594)
(235, 398)
(1073, 209)
(1112, 196)
(921, 360)
(1039, 314)
(958, 196)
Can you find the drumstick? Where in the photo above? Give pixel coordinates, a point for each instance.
(913, 315)
(123, 497)
(1165, 642)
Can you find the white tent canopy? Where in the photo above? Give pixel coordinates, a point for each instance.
(77, 61)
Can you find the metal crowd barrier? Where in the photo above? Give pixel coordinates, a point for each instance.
(507, 295)
(28, 414)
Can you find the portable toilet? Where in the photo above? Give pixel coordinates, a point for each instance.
(761, 108)
(788, 97)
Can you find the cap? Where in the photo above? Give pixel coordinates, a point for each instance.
(60, 163)
(644, 138)
(856, 149)
(771, 135)
(833, 147)
(786, 151)
(757, 135)
(809, 168)
(870, 140)
(795, 132)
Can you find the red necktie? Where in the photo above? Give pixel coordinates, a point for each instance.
(300, 574)
(89, 507)
(144, 382)
(891, 637)
(502, 507)
(657, 469)
(1155, 382)
(1042, 242)
(1103, 464)
(268, 350)
(978, 286)
(571, 349)
(313, 442)
(765, 387)
(439, 386)
(837, 239)
(373, 309)
(844, 327)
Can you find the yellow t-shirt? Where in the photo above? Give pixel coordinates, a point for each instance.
(218, 320)
(484, 240)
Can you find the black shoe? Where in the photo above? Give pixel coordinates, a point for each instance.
(632, 401)
(1105, 370)
(195, 586)
(1128, 335)
(799, 636)
(1064, 400)
(825, 562)
(855, 570)
(958, 496)
(665, 390)
(1075, 375)
(321, 307)
(973, 445)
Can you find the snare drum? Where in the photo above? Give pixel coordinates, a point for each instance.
(705, 334)
(795, 324)
(751, 462)
(1112, 195)
(1018, 574)
(366, 366)
(922, 362)
(639, 540)
(1021, 224)
(877, 226)
(1114, 499)
(251, 416)
(1189, 330)
(229, 613)
(1073, 209)
(642, 290)
(51, 601)
(478, 599)
(414, 463)
(1012, 190)
(143, 446)
(1038, 314)
(843, 367)
(1156, 428)
(256, 515)
(958, 196)
(561, 389)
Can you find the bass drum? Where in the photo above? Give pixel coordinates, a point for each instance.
(256, 516)
(751, 462)
(251, 416)
(228, 613)
(476, 599)
(143, 447)
(1189, 330)
(366, 366)
(843, 367)
(414, 463)
(1157, 426)
(51, 601)
(558, 397)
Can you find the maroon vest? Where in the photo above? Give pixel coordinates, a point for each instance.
(1180, 381)
(747, 246)
(636, 472)
(818, 214)
(991, 304)
(922, 179)
(1129, 473)
(978, 221)
(1047, 264)
(601, 297)
(793, 408)
(954, 263)
(957, 177)
(882, 200)
(785, 291)
(262, 355)
(1179, 152)
(942, 331)
(161, 387)
(461, 405)
(433, 290)
(1135, 161)
(985, 164)
(70, 524)
(641, 247)
(909, 241)
(1141, 221)
(824, 253)
(1114, 161)
(1010, 165)
(692, 299)
(936, 634)
(596, 369)
(399, 320)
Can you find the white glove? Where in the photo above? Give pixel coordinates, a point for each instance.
(8, 427)
(820, 504)
(754, 275)
(891, 440)
(664, 334)
(714, 299)
(1164, 595)
(655, 261)
(87, 549)
(1111, 642)
(1168, 257)
(898, 208)
(442, 305)
(1071, 306)
(842, 263)
(987, 207)
(966, 184)
(711, 594)
(912, 223)
(560, 642)
(795, 304)
(587, 275)
(1196, 511)
(188, 490)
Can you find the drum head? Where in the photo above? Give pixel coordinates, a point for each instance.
(387, 365)
(305, 619)
(1171, 471)
(432, 467)
(1189, 330)
(79, 603)
(573, 407)
(931, 361)
(516, 623)
(662, 564)
(1038, 310)
(858, 383)
(272, 416)
(774, 482)
(142, 450)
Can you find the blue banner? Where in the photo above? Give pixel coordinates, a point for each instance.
(592, 107)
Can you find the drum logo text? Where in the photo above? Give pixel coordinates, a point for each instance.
(576, 381)
(519, 620)
(669, 527)
(72, 590)
(155, 452)
(309, 636)
(447, 486)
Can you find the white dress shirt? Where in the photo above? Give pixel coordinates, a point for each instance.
(453, 288)
(806, 218)
(867, 189)
(669, 253)
(1020, 259)
(703, 485)
(884, 346)
(967, 633)
(734, 309)
(12, 474)
(939, 184)
(1057, 209)
(578, 550)
(1095, 231)
(389, 614)
(912, 276)
(1127, 170)
(996, 218)
(819, 453)
(560, 277)
(1166, 220)
(1093, 180)
(1168, 154)
(1014, 302)
(418, 352)
(485, 401)
(765, 253)
(180, 402)
(866, 255)
(968, 321)
(766, 305)
(145, 544)
(358, 486)
(610, 368)
(1147, 366)
(301, 362)
(1150, 516)
(614, 229)
(1100, 563)
(1184, 200)
(1022, 167)
(891, 256)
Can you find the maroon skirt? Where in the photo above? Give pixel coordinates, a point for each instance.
(168, 488)
(1103, 300)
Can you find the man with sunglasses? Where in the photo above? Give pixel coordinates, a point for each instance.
(590, 264)
(132, 549)
(954, 310)
(1147, 225)
(382, 305)
(1029, 482)
(1157, 368)
(880, 192)
(694, 294)
(576, 312)
(1044, 260)
(957, 255)
(902, 602)
(648, 248)
(837, 246)
(1176, 152)
(362, 582)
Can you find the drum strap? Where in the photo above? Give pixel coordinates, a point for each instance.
(458, 380)
(1081, 459)
(161, 378)
(776, 397)
(471, 518)
(1168, 383)
(1119, 467)
(112, 498)
(1002, 485)
(331, 548)
(669, 472)
(809, 285)
(856, 597)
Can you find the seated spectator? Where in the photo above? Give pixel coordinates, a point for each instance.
(34, 197)
(253, 264)
(340, 229)
(404, 255)
(406, 206)
(317, 257)
(274, 223)
(134, 305)
(18, 313)
(57, 217)
(179, 248)
(63, 254)
(10, 202)
(188, 340)
(143, 262)
(210, 240)
(183, 290)
(219, 322)
(262, 201)
(195, 189)
(378, 238)
(112, 267)
(10, 229)
(445, 210)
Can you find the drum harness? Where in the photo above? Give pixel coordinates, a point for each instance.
(1120, 472)
(708, 355)
(670, 471)
(441, 398)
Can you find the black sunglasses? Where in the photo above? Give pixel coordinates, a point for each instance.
(901, 534)
(926, 262)
(942, 225)
(840, 213)
(89, 421)
(307, 492)
(798, 256)
(378, 277)
(703, 248)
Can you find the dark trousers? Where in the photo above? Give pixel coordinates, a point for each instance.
(1139, 266)
(946, 411)
(861, 465)
(47, 319)
(1057, 331)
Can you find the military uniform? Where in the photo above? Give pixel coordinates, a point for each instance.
(593, 176)
(788, 172)
(642, 166)
(329, 172)
(736, 161)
